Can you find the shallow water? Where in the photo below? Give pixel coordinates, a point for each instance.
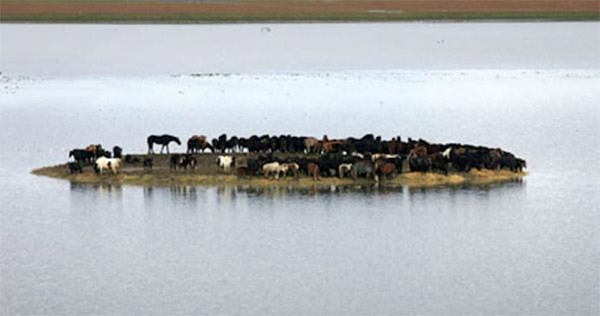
(524, 247)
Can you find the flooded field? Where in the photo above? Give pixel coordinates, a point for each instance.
(526, 246)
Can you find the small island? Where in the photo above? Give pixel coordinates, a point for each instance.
(292, 161)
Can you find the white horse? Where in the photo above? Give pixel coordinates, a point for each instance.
(112, 164)
(375, 157)
(274, 167)
(344, 169)
(225, 162)
(447, 153)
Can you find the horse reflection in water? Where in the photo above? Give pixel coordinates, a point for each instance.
(282, 191)
(87, 197)
(184, 191)
(107, 189)
(226, 193)
(176, 192)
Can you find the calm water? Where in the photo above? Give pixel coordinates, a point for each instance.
(525, 247)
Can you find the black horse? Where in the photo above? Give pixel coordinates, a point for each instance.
(74, 167)
(81, 155)
(117, 152)
(163, 140)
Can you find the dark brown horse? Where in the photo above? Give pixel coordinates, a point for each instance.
(198, 143)
(163, 140)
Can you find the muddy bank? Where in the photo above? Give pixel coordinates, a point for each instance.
(208, 173)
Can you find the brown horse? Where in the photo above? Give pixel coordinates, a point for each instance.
(313, 170)
(327, 146)
(437, 163)
(495, 157)
(292, 168)
(385, 169)
(420, 151)
(91, 148)
(198, 143)
(200, 138)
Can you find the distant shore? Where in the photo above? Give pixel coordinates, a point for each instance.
(207, 173)
(90, 11)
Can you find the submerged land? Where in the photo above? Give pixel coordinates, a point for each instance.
(82, 11)
(208, 173)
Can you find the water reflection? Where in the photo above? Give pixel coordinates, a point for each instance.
(314, 190)
(177, 193)
(106, 189)
(466, 188)
(85, 196)
(188, 192)
(228, 193)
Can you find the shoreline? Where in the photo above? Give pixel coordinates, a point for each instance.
(164, 178)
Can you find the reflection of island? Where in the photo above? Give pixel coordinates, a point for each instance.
(100, 187)
(231, 193)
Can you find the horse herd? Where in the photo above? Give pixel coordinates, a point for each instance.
(286, 155)
(103, 159)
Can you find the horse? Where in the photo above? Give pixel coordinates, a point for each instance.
(437, 162)
(148, 164)
(418, 163)
(163, 140)
(344, 169)
(313, 170)
(327, 146)
(363, 167)
(291, 168)
(74, 167)
(188, 161)
(103, 163)
(81, 155)
(520, 165)
(117, 152)
(198, 143)
(233, 143)
(420, 151)
(220, 144)
(225, 162)
(311, 143)
(175, 161)
(96, 150)
(385, 169)
(272, 167)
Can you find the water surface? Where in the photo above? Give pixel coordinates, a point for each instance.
(519, 248)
